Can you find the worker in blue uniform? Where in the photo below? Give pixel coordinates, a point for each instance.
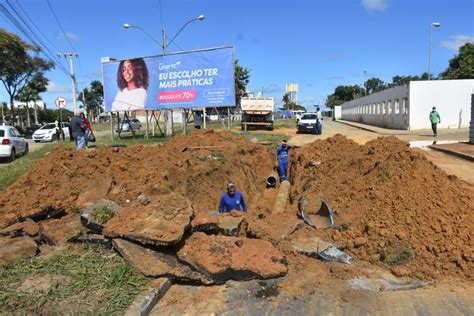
(232, 200)
(282, 160)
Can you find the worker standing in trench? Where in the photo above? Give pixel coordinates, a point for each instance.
(282, 160)
(232, 200)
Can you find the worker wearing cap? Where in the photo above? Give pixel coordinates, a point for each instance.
(232, 200)
(282, 160)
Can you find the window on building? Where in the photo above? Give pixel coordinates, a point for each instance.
(389, 107)
(404, 106)
(397, 107)
(384, 110)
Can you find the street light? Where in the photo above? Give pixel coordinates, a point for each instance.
(435, 24)
(128, 26)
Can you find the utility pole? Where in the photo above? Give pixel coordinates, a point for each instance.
(73, 76)
(169, 116)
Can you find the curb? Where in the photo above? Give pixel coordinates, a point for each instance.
(144, 302)
(453, 153)
(373, 130)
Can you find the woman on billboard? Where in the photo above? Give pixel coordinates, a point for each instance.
(132, 81)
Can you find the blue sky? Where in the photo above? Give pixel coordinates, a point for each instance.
(317, 44)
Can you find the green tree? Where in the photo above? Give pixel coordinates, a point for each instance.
(92, 98)
(242, 78)
(344, 94)
(19, 61)
(373, 85)
(461, 66)
(31, 92)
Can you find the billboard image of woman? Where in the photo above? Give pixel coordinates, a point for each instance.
(132, 82)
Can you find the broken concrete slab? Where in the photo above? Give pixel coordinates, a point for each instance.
(215, 223)
(223, 258)
(94, 239)
(273, 229)
(144, 303)
(60, 231)
(155, 264)
(9, 218)
(309, 246)
(14, 249)
(27, 227)
(163, 222)
(90, 216)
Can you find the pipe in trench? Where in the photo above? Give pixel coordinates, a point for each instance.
(282, 198)
(272, 179)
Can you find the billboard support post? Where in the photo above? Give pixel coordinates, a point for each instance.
(146, 132)
(204, 116)
(228, 117)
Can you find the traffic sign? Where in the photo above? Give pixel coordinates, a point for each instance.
(60, 103)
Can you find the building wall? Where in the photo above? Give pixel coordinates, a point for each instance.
(471, 127)
(388, 108)
(337, 112)
(452, 99)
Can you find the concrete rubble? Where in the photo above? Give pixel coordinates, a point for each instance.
(163, 222)
(14, 249)
(222, 258)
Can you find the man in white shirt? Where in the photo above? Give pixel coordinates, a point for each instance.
(319, 122)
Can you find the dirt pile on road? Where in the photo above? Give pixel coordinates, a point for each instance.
(66, 179)
(392, 205)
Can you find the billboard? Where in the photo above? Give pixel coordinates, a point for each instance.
(202, 78)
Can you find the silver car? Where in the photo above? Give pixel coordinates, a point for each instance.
(12, 143)
(125, 125)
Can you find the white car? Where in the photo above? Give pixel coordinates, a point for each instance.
(307, 123)
(47, 133)
(12, 143)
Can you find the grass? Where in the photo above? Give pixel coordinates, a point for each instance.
(9, 173)
(92, 281)
(396, 253)
(273, 139)
(102, 214)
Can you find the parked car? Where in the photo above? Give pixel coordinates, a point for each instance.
(47, 132)
(307, 123)
(125, 125)
(12, 143)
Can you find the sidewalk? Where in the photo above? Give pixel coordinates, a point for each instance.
(418, 132)
(462, 150)
(376, 129)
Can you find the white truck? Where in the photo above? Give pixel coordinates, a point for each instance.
(257, 112)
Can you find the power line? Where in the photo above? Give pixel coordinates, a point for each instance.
(31, 38)
(38, 42)
(64, 34)
(35, 25)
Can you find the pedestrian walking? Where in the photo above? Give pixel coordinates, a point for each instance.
(77, 129)
(435, 119)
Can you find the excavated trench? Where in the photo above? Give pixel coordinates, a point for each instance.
(380, 192)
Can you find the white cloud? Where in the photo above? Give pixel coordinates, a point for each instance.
(56, 88)
(457, 41)
(374, 5)
(68, 35)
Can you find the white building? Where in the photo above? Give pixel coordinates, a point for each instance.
(408, 106)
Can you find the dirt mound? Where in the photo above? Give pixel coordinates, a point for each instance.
(67, 179)
(389, 199)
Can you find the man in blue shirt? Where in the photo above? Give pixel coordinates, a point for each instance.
(232, 200)
(282, 160)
